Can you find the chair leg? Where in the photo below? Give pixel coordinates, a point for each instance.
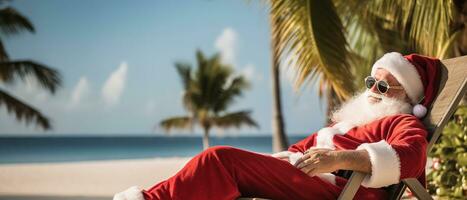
(352, 186)
(417, 188)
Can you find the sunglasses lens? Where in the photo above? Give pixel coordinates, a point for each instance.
(382, 87)
(369, 82)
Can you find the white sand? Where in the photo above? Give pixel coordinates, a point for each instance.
(96, 178)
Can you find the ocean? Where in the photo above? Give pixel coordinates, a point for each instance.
(23, 149)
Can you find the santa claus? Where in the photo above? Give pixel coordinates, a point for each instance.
(377, 132)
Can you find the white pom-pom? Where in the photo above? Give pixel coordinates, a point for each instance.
(419, 110)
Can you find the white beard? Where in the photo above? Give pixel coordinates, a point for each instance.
(359, 111)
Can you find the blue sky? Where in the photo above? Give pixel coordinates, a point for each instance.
(117, 62)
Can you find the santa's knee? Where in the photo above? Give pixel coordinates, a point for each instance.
(219, 152)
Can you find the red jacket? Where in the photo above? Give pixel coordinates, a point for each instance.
(396, 146)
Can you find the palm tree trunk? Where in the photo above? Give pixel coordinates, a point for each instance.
(206, 138)
(333, 102)
(279, 140)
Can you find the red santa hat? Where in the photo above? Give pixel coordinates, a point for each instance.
(418, 75)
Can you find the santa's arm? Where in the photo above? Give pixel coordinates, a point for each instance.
(401, 155)
(354, 160)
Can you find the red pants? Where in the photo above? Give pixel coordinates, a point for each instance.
(227, 173)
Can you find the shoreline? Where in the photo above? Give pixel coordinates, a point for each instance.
(83, 179)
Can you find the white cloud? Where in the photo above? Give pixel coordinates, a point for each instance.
(226, 43)
(115, 84)
(79, 91)
(250, 73)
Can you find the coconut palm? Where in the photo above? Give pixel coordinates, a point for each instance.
(279, 139)
(335, 42)
(208, 92)
(12, 71)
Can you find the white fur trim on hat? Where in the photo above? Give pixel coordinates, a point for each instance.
(132, 193)
(404, 72)
(385, 164)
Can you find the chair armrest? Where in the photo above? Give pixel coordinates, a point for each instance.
(352, 186)
(417, 188)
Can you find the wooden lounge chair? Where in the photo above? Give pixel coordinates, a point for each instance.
(453, 87)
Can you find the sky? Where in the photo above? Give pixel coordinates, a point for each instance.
(117, 60)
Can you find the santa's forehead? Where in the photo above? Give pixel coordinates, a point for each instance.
(383, 74)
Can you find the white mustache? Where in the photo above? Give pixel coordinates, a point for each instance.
(375, 95)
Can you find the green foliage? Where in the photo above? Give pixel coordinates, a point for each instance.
(448, 176)
(208, 91)
(12, 71)
(335, 42)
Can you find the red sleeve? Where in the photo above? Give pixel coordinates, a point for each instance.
(402, 153)
(408, 139)
(303, 145)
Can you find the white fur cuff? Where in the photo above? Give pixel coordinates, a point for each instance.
(331, 178)
(293, 157)
(132, 193)
(385, 164)
(282, 154)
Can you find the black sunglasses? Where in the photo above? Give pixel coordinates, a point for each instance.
(382, 86)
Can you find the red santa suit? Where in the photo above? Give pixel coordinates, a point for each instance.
(396, 145)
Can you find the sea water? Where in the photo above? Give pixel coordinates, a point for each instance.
(27, 149)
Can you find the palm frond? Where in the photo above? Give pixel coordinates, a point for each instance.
(235, 119)
(47, 77)
(312, 31)
(12, 22)
(377, 27)
(22, 111)
(3, 54)
(425, 26)
(228, 95)
(209, 90)
(184, 71)
(182, 122)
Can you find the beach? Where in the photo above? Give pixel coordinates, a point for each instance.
(84, 179)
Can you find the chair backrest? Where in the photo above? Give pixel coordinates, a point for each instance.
(453, 87)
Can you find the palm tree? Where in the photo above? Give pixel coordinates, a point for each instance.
(335, 42)
(279, 139)
(12, 23)
(208, 92)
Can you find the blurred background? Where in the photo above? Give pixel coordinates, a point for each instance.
(117, 65)
(97, 95)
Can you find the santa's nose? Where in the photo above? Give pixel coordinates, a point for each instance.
(374, 89)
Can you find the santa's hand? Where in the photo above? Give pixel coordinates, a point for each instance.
(317, 161)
